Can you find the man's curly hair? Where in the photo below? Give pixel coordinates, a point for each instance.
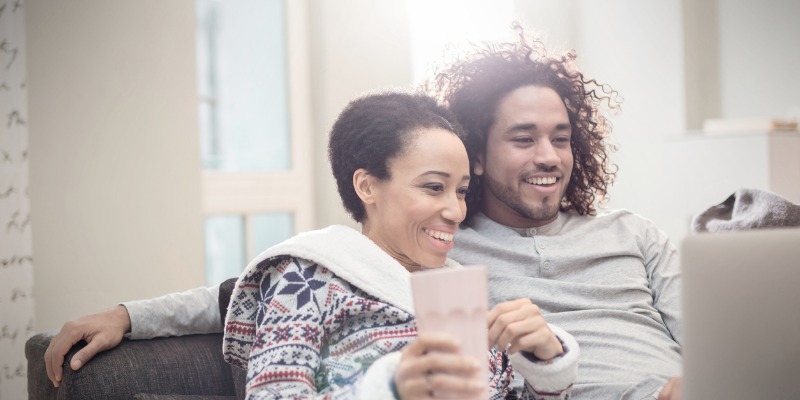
(477, 80)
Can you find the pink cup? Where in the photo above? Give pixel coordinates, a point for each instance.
(454, 300)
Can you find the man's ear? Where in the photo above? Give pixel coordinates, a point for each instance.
(477, 168)
(364, 184)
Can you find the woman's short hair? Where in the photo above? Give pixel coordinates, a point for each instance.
(375, 128)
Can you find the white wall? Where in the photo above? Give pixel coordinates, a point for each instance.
(114, 154)
(759, 58)
(637, 48)
(552, 21)
(357, 46)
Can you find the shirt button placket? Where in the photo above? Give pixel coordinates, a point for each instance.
(542, 245)
(546, 263)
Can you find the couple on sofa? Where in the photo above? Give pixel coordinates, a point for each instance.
(521, 168)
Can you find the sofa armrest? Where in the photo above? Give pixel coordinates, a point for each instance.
(186, 365)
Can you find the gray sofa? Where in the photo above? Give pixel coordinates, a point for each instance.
(188, 367)
(172, 368)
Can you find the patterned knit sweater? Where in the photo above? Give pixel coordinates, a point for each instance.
(325, 314)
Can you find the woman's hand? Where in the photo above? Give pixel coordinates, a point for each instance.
(518, 325)
(431, 366)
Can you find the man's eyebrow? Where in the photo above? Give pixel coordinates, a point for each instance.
(530, 126)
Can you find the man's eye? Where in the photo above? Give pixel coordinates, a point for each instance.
(562, 139)
(523, 139)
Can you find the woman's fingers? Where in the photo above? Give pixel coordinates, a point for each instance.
(456, 386)
(435, 352)
(434, 341)
(432, 365)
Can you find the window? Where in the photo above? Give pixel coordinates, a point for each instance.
(253, 127)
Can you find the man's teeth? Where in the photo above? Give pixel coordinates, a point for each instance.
(542, 181)
(443, 236)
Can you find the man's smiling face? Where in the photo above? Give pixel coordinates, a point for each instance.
(527, 163)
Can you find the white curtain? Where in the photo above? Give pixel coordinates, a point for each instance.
(16, 266)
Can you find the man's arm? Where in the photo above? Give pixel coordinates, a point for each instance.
(664, 272)
(663, 268)
(194, 311)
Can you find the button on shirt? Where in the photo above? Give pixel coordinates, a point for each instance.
(539, 245)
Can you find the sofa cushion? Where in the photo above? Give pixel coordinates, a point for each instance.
(225, 290)
(148, 396)
(239, 375)
(187, 365)
(39, 386)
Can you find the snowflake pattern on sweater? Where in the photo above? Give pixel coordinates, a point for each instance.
(313, 335)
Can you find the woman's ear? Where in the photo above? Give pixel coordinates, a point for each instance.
(364, 184)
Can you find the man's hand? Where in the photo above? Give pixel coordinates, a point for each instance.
(102, 331)
(518, 325)
(672, 390)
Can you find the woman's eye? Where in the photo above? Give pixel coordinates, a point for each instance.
(436, 187)
(463, 191)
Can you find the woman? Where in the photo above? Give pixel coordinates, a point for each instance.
(328, 313)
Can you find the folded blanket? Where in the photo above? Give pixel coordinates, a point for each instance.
(748, 209)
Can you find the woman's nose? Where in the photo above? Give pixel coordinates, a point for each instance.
(455, 210)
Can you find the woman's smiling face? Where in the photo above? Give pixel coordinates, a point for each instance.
(413, 215)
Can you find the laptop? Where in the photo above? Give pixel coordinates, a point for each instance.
(741, 311)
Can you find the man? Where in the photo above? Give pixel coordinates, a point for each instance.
(537, 142)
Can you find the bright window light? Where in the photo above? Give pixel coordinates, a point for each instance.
(436, 23)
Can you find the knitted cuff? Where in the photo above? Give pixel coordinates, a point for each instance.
(551, 376)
